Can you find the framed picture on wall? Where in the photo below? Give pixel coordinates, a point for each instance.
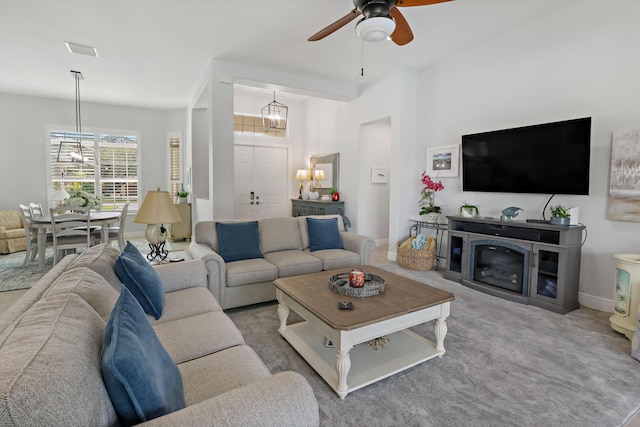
(379, 175)
(442, 161)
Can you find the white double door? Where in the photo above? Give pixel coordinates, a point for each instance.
(261, 182)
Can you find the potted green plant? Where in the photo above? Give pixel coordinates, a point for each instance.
(468, 210)
(182, 195)
(560, 215)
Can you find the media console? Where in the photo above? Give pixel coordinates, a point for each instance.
(530, 263)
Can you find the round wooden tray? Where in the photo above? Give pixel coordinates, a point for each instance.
(373, 285)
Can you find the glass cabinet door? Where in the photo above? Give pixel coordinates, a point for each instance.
(547, 274)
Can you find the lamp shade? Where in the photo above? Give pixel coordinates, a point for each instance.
(157, 208)
(319, 175)
(303, 174)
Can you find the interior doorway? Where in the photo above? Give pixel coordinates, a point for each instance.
(375, 155)
(261, 184)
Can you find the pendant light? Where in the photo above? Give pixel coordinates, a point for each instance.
(74, 152)
(274, 115)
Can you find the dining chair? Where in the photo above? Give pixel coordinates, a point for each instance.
(30, 234)
(115, 233)
(36, 210)
(71, 230)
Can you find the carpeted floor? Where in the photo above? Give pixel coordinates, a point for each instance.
(506, 364)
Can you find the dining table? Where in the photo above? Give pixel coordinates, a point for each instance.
(100, 219)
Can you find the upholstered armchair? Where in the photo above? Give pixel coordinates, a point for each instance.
(12, 236)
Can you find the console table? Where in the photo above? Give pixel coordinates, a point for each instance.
(300, 207)
(530, 263)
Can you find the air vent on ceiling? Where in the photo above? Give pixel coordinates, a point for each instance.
(81, 49)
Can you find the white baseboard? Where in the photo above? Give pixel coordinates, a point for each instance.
(596, 303)
(382, 242)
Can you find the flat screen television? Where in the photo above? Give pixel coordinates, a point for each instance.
(550, 158)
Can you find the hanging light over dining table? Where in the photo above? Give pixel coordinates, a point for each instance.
(71, 150)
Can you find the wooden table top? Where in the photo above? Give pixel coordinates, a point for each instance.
(401, 296)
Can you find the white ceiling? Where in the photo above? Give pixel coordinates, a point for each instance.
(155, 53)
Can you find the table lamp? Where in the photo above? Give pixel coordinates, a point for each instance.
(302, 175)
(157, 209)
(319, 175)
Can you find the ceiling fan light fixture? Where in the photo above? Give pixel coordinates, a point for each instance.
(375, 29)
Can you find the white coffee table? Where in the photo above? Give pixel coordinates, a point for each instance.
(404, 304)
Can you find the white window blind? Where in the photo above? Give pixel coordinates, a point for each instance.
(115, 181)
(174, 166)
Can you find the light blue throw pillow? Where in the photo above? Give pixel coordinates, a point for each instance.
(238, 240)
(141, 379)
(324, 234)
(141, 279)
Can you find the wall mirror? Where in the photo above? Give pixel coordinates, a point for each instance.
(327, 166)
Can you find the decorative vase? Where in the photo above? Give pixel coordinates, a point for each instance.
(336, 196)
(182, 200)
(556, 220)
(314, 195)
(432, 217)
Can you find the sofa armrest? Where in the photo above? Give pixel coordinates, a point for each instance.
(2, 229)
(182, 275)
(284, 399)
(359, 244)
(214, 263)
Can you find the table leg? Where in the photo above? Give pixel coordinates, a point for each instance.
(343, 365)
(441, 332)
(42, 242)
(283, 313)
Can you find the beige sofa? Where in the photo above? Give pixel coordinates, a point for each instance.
(285, 245)
(50, 352)
(12, 236)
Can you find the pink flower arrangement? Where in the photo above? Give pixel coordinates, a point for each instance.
(431, 187)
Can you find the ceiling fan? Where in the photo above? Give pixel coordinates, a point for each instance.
(381, 19)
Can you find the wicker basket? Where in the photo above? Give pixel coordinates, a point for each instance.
(416, 259)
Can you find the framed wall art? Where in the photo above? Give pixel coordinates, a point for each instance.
(624, 186)
(442, 161)
(379, 175)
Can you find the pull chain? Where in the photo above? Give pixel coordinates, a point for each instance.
(362, 60)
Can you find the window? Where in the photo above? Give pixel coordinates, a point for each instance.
(175, 163)
(245, 124)
(114, 181)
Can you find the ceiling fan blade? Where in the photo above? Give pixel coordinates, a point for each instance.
(335, 26)
(402, 34)
(407, 3)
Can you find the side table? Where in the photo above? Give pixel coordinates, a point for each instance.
(626, 295)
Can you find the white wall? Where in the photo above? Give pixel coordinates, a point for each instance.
(23, 119)
(394, 99)
(577, 62)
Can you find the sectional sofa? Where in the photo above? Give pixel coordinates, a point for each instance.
(248, 256)
(56, 344)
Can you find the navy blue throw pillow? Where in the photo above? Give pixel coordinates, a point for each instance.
(141, 279)
(141, 379)
(238, 240)
(324, 234)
